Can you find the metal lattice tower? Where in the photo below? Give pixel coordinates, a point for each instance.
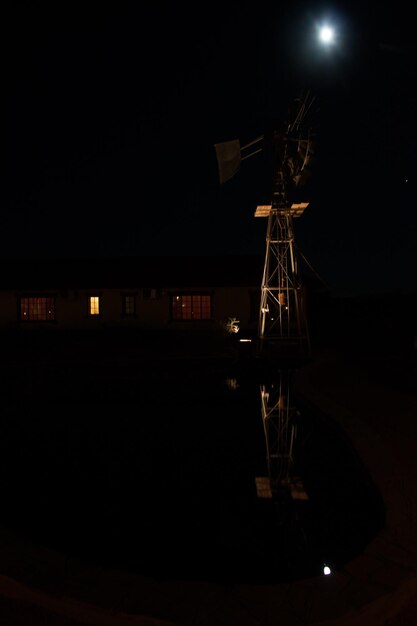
(282, 315)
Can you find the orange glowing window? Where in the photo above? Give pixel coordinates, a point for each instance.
(37, 309)
(94, 305)
(191, 307)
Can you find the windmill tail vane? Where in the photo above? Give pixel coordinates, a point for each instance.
(230, 155)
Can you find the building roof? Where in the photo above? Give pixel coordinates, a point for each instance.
(132, 272)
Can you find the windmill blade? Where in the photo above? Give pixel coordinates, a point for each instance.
(305, 104)
(303, 161)
(305, 151)
(299, 148)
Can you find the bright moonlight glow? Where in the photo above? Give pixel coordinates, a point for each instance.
(326, 35)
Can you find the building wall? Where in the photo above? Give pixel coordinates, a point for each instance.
(8, 309)
(153, 308)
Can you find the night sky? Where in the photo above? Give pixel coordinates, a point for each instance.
(111, 112)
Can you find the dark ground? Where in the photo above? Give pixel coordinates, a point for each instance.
(83, 472)
(118, 452)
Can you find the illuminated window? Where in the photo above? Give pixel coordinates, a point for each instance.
(128, 304)
(37, 309)
(94, 305)
(191, 307)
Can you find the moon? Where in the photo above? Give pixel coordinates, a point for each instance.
(326, 35)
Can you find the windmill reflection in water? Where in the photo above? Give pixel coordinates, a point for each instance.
(280, 421)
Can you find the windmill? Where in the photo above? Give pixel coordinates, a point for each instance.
(283, 327)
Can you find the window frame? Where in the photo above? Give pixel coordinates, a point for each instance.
(192, 295)
(124, 296)
(36, 296)
(89, 314)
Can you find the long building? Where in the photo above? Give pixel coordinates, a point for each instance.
(141, 292)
